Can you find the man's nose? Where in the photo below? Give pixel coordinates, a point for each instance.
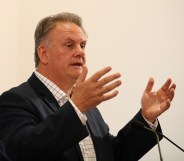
(79, 51)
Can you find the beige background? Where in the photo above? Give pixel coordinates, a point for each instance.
(138, 38)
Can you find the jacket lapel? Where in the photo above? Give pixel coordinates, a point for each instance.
(44, 92)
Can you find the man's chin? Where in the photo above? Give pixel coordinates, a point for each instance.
(76, 75)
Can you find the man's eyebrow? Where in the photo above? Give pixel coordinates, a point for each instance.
(71, 40)
(85, 41)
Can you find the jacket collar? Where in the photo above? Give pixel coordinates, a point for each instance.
(43, 91)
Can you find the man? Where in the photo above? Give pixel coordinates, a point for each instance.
(53, 116)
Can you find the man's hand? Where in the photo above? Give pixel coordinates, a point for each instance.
(91, 92)
(155, 103)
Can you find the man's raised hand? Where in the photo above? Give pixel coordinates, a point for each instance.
(90, 92)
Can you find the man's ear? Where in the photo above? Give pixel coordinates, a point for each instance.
(42, 53)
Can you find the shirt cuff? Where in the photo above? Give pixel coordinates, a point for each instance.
(154, 125)
(82, 116)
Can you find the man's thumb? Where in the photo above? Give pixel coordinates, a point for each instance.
(83, 75)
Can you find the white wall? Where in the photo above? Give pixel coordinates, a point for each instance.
(8, 45)
(139, 39)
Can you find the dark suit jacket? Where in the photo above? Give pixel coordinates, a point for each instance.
(34, 128)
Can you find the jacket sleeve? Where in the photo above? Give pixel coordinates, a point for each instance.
(131, 143)
(26, 136)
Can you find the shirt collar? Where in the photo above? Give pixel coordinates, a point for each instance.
(59, 95)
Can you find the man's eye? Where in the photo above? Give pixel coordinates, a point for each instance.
(83, 46)
(69, 45)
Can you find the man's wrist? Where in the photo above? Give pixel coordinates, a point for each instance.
(153, 125)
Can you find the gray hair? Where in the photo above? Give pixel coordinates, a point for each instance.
(48, 23)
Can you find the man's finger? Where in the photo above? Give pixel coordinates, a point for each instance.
(110, 87)
(100, 73)
(166, 85)
(165, 105)
(171, 95)
(109, 96)
(108, 79)
(149, 85)
(171, 88)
